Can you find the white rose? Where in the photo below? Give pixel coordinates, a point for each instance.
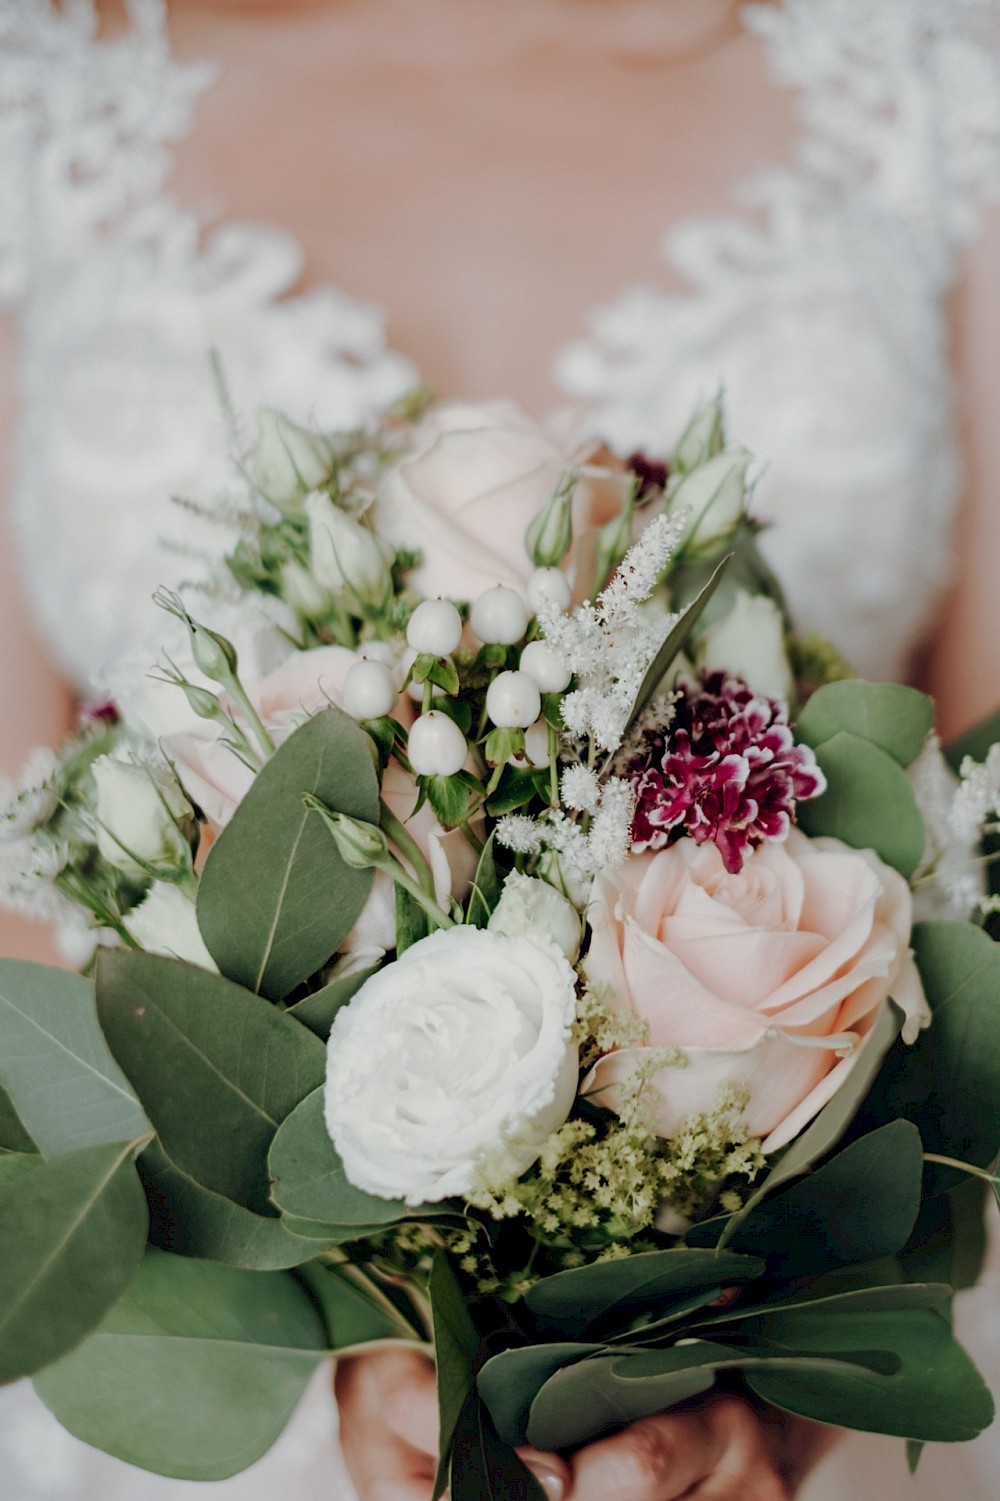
(289, 460)
(344, 554)
(749, 643)
(143, 816)
(458, 1054)
(528, 907)
(165, 923)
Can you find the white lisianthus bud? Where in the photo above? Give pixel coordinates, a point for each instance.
(458, 1056)
(749, 643)
(701, 440)
(143, 818)
(528, 906)
(714, 496)
(303, 591)
(549, 536)
(290, 461)
(166, 923)
(345, 555)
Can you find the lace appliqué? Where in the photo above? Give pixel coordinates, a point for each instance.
(822, 312)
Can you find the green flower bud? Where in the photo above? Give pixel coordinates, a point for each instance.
(701, 440)
(714, 496)
(290, 461)
(345, 556)
(360, 845)
(550, 535)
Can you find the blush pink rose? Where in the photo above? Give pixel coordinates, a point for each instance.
(477, 475)
(772, 978)
(218, 781)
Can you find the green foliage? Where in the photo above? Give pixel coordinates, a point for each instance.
(13, 1136)
(196, 1370)
(72, 1233)
(317, 1011)
(975, 742)
(412, 922)
(452, 797)
(57, 1075)
(675, 641)
(456, 1348)
(890, 716)
(351, 1315)
(483, 1467)
(275, 898)
(486, 888)
(308, 1178)
(216, 1068)
(868, 802)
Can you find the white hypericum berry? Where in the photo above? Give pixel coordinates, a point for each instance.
(545, 667)
(536, 743)
(369, 691)
(436, 745)
(435, 627)
(500, 616)
(549, 586)
(513, 701)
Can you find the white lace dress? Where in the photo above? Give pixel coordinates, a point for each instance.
(820, 306)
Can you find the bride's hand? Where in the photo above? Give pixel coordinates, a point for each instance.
(720, 1450)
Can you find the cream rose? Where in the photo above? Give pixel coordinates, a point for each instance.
(458, 1055)
(773, 978)
(218, 781)
(472, 465)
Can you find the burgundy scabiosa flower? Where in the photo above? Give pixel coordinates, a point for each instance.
(726, 769)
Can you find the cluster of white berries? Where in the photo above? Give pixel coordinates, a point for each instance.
(499, 617)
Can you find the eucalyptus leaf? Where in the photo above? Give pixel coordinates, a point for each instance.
(948, 1081)
(483, 1467)
(13, 1136)
(216, 1067)
(975, 742)
(275, 898)
(71, 1236)
(868, 802)
(610, 1293)
(352, 1316)
(308, 1178)
(858, 1303)
(192, 1221)
(509, 1382)
(829, 1126)
(456, 1347)
(412, 922)
(318, 1010)
(196, 1370)
(14, 1165)
(937, 1394)
(55, 1069)
(329, 1235)
(674, 643)
(895, 718)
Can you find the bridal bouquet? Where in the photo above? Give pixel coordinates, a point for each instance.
(497, 932)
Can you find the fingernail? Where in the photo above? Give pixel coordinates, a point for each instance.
(551, 1482)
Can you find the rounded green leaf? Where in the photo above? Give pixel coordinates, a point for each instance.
(895, 718)
(72, 1233)
(867, 803)
(308, 1178)
(216, 1067)
(195, 1372)
(318, 1010)
(275, 899)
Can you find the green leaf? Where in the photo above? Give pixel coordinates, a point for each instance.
(55, 1067)
(948, 1082)
(860, 1205)
(192, 1221)
(509, 1382)
(411, 921)
(516, 789)
(14, 1165)
(888, 715)
(483, 1467)
(275, 899)
(71, 1236)
(486, 888)
(859, 1303)
(13, 1136)
(216, 1067)
(937, 1395)
(308, 1177)
(195, 1372)
(353, 1317)
(318, 1010)
(914, 1449)
(868, 802)
(452, 797)
(975, 742)
(610, 1293)
(456, 1346)
(829, 1126)
(674, 643)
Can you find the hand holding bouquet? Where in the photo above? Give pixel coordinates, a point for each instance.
(504, 938)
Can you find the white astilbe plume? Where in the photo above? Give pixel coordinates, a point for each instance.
(949, 881)
(609, 645)
(978, 796)
(580, 789)
(33, 799)
(582, 854)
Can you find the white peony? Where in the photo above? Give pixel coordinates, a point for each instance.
(749, 643)
(459, 1054)
(530, 907)
(143, 816)
(166, 923)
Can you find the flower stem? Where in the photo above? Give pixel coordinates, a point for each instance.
(402, 877)
(257, 725)
(395, 830)
(962, 1167)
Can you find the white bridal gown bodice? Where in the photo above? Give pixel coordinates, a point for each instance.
(820, 305)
